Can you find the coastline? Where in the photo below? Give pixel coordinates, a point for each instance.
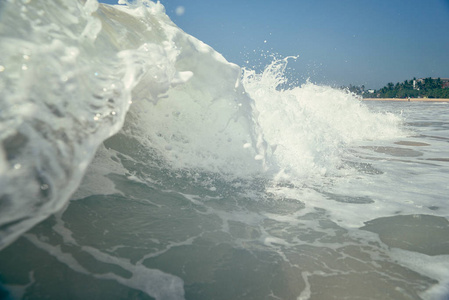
(406, 100)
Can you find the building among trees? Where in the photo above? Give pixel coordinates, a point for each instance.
(421, 81)
(415, 88)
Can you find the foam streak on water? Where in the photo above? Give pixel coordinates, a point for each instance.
(201, 180)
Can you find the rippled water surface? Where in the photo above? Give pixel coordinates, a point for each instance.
(137, 163)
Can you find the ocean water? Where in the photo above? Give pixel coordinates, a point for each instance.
(137, 163)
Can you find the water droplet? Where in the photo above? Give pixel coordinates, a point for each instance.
(2, 68)
(17, 166)
(180, 10)
(24, 67)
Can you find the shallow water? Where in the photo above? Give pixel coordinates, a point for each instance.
(251, 239)
(205, 181)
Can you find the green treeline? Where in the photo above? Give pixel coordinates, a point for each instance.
(424, 88)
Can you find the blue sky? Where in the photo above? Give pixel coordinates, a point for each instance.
(339, 42)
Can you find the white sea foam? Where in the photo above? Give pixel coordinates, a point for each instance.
(433, 266)
(85, 67)
(67, 76)
(73, 75)
(311, 126)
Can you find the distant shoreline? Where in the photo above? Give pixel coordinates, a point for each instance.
(406, 100)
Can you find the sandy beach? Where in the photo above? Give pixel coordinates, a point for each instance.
(406, 100)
